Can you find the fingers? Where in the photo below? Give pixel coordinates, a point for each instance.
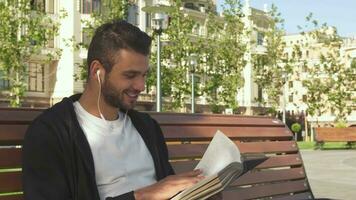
(193, 173)
(187, 179)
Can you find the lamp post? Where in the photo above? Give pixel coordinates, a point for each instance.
(193, 63)
(285, 78)
(158, 26)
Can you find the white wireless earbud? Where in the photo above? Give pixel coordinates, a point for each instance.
(98, 102)
(98, 75)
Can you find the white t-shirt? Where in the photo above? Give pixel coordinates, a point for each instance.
(122, 160)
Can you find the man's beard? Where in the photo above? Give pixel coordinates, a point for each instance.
(113, 97)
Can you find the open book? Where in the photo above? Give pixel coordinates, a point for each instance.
(221, 164)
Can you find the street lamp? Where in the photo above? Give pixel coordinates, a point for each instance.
(285, 78)
(158, 26)
(193, 64)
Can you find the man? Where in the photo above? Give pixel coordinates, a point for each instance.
(94, 145)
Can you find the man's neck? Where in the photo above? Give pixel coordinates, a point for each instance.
(89, 101)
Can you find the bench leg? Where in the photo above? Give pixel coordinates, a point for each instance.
(349, 145)
(319, 145)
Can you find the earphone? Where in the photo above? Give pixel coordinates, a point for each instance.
(98, 102)
(98, 75)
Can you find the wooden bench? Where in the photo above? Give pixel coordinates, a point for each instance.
(335, 135)
(280, 176)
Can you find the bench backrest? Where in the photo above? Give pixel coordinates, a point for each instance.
(282, 175)
(335, 134)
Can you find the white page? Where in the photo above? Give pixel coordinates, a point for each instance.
(220, 153)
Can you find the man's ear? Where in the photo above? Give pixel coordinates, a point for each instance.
(95, 68)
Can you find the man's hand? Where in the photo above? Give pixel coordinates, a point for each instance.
(169, 186)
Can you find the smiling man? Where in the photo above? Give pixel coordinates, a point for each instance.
(93, 145)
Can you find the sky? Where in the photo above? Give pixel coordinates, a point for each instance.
(338, 13)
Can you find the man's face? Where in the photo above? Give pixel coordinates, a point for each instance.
(126, 80)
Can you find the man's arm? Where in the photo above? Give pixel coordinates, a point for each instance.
(43, 165)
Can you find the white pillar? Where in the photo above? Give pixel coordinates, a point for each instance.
(64, 83)
(247, 71)
(142, 15)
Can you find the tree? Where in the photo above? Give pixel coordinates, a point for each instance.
(296, 128)
(179, 44)
(272, 68)
(223, 56)
(331, 81)
(107, 11)
(25, 31)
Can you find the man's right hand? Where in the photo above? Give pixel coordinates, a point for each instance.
(169, 186)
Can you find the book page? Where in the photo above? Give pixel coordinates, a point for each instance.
(220, 163)
(220, 153)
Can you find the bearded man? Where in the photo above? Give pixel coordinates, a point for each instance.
(93, 145)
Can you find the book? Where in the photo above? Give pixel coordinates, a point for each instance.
(221, 164)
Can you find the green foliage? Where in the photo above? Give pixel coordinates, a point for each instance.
(331, 82)
(223, 50)
(109, 10)
(340, 124)
(25, 30)
(273, 68)
(296, 127)
(178, 46)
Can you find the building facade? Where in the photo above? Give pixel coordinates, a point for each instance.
(49, 83)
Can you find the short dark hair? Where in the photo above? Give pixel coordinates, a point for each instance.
(113, 36)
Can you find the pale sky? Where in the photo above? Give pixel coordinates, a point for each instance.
(338, 13)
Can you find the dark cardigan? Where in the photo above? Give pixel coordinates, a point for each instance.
(57, 160)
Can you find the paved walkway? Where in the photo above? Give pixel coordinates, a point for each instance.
(331, 173)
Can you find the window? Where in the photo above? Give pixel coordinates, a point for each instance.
(353, 63)
(86, 39)
(260, 37)
(88, 6)
(290, 84)
(148, 20)
(4, 84)
(39, 5)
(291, 98)
(133, 15)
(202, 7)
(259, 95)
(304, 84)
(189, 5)
(304, 98)
(332, 110)
(50, 6)
(35, 77)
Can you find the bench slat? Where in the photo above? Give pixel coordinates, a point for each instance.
(270, 176)
(197, 150)
(10, 181)
(261, 191)
(12, 134)
(10, 157)
(18, 115)
(214, 119)
(292, 160)
(300, 196)
(179, 132)
(12, 197)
